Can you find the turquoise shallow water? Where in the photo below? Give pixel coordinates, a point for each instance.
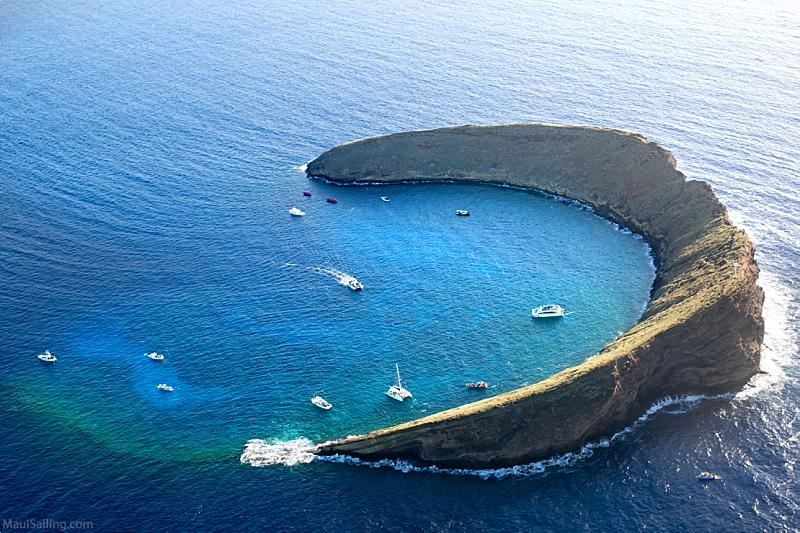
(148, 157)
(252, 330)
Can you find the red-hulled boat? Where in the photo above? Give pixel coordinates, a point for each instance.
(330, 200)
(478, 385)
(306, 194)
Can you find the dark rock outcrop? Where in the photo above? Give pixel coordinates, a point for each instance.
(700, 334)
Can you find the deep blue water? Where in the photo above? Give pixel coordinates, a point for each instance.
(149, 154)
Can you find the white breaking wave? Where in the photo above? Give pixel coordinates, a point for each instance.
(780, 341)
(537, 467)
(289, 453)
(259, 452)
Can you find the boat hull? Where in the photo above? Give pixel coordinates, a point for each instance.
(395, 397)
(398, 394)
(547, 311)
(321, 403)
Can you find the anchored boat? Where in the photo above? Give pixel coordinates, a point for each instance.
(547, 311)
(155, 356)
(306, 194)
(164, 387)
(397, 391)
(295, 212)
(478, 385)
(462, 213)
(47, 357)
(321, 402)
(331, 200)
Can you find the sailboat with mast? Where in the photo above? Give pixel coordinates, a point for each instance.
(397, 391)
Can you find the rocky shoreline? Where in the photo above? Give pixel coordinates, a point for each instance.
(700, 333)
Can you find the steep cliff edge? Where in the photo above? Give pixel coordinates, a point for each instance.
(700, 334)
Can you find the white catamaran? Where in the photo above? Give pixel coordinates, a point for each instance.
(548, 311)
(397, 391)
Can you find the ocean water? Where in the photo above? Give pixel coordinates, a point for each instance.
(149, 153)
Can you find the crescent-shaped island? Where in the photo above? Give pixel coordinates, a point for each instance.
(700, 333)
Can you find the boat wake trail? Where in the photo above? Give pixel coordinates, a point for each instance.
(289, 453)
(343, 278)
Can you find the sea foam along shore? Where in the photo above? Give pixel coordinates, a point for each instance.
(260, 453)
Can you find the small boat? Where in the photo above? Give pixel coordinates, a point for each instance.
(708, 476)
(462, 213)
(295, 212)
(397, 391)
(164, 387)
(478, 385)
(386, 199)
(306, 194)
(47, 357)
(354, 284)
(331, 200)
(321, 402)
(547, 311)
(155, 356)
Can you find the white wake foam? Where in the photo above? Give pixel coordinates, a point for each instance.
(259, 452)
(343, 278)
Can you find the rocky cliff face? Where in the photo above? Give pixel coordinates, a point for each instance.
(701, 332)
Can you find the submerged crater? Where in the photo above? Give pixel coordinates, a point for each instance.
(700, 333)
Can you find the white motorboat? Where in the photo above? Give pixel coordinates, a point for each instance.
(386, 199)
(462, 213)
(296, 212)
(155, 356)
(547, 311)
(47, 357)
(397, 391)
(354, 284)
(164, 387)
(321, 402)
(708, 476)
